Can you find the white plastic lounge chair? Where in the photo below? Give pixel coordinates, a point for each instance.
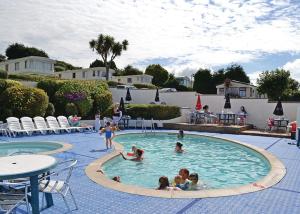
(10, 199)
(28, 125)
(3, 129)
(61, 187)
(14, 126)
(64, 123)
(52, 122)
(41, 124)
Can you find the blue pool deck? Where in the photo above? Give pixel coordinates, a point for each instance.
(93, 198)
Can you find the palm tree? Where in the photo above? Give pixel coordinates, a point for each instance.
(108, 49)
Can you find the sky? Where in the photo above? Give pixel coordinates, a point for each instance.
(181, 35)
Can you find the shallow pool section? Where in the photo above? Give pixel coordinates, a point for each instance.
(219, 163)
(33, 147)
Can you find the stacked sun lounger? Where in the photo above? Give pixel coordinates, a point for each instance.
(40, 125)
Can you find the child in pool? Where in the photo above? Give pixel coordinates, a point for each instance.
(109, 131)
(138, 158)
(178, 147)
(165, 185)
(117, 179)
(177, 181)
(195, 183)
(180, 134)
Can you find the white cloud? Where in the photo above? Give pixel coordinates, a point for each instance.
(195, 33)
(294, 68)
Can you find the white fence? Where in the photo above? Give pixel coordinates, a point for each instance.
(259, 110)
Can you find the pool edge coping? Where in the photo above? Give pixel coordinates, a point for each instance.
(276, 174)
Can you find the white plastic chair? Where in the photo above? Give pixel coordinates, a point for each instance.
(60, 187)
(64, 123)
(3, 129)
(41, 124)
(28, 125)
(14, 126)
(10, 198)
(52, 122)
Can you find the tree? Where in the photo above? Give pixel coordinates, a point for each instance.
(203, 82)
(128, 70)
(62, 66)
(160, 75)
(17, 50)
(236, 72)
(273, 83)
(171, 82)
(2, 58)
(108, 49)
(218, 78)
(100, 63)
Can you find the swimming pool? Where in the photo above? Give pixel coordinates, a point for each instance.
(220, 163)
(33, 147)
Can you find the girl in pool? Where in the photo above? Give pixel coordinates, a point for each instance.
(109, 131)
(165, 185)
(178, 147)
(195, 183)
(138, 158)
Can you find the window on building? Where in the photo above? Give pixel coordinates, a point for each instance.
(251, 92)
(17, 66)
(74, 75)
(94, 73)
(59, 75)
(129, 80)
(26, 64)
(103, 74)
(221, 91)
(6, 67)
(98, 73)
(242, 92)
(142, 79)
(83, 74)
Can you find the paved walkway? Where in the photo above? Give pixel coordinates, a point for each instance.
(93, 199)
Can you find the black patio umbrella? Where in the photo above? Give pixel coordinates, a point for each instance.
(227, 102)
(128, 96)
(278, 109)
(122, 106)
(157, 96)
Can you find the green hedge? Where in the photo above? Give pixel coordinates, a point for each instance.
(148, 111)
(4, 84)
(31, 77)
(113, 83)
(150, 86)
(20, 101)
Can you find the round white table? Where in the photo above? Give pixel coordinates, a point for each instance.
(21, 166)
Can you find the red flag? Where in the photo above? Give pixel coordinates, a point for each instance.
(198, 105)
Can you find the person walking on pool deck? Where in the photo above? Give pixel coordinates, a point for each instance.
(109, 131)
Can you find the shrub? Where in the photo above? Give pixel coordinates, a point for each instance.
(82, 93)
(24, 101)
(102, 101)
(150, 86)
(113, 83)
(50, 110)
(4, 84)
(50, 87)
(73, 92)
(71, 109)
(148, 111)
(3, 74)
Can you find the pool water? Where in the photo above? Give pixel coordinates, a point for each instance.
(34, 147)
(219, 163)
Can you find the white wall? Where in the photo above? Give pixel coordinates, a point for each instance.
(259, 110)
